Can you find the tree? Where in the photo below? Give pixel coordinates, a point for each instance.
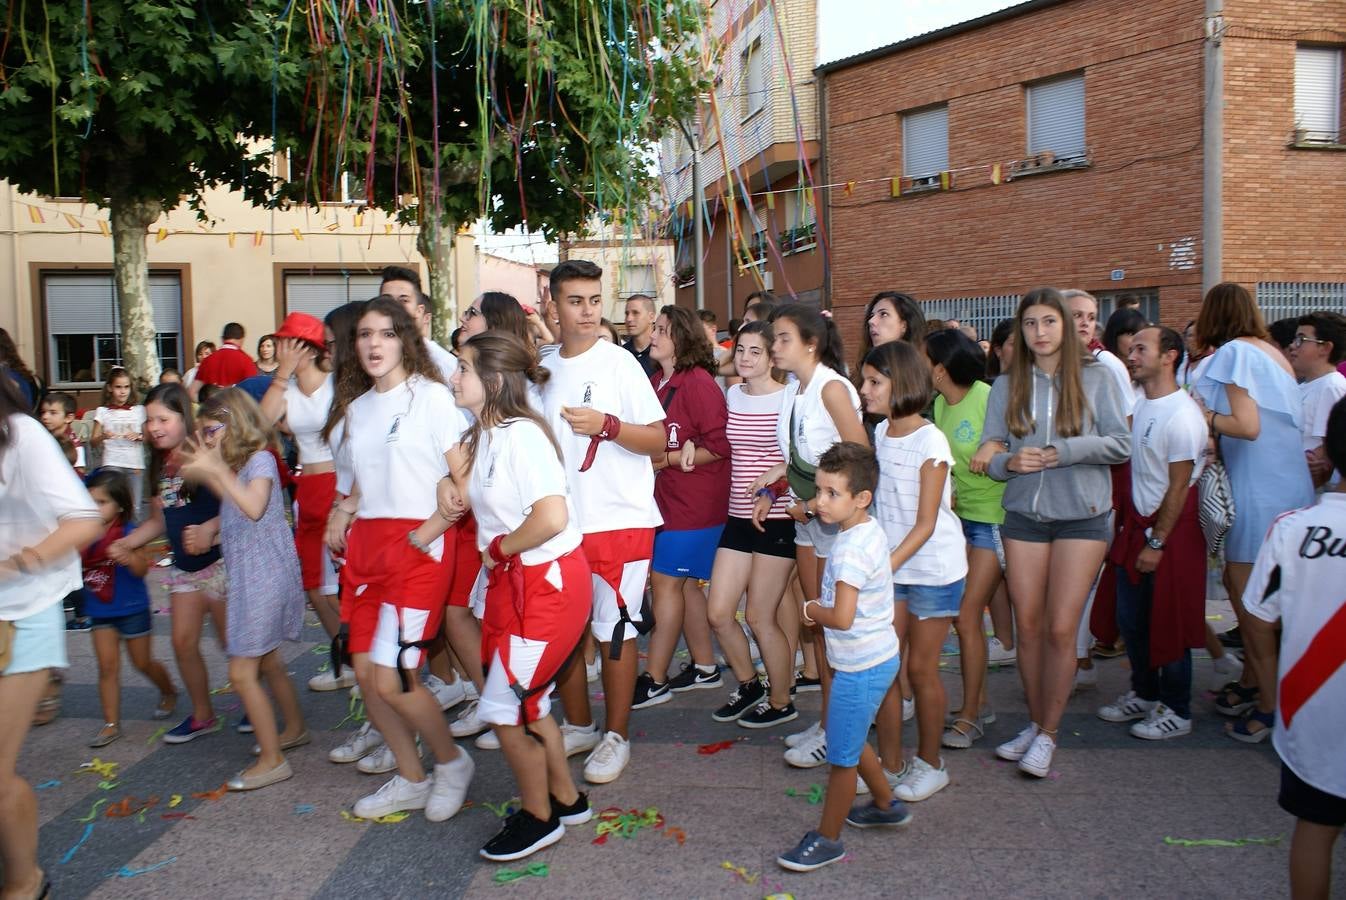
(137, 107)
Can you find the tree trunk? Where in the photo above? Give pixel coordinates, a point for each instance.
(437, 242)
(130, 264)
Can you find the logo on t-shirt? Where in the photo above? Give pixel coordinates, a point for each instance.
(589, 393)
(393, 435)
(964, 433)
(1145, 438)
(673, 435)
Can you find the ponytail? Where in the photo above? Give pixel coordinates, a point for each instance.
(817, 327)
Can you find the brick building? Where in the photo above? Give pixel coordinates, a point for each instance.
(1150, 147)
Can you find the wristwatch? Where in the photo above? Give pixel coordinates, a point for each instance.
(1153, 542)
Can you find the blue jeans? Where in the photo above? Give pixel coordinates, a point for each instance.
(1169, 684)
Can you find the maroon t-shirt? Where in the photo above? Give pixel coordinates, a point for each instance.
(226, 367)
(694, 410)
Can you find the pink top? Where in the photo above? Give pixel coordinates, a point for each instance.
(753, 447)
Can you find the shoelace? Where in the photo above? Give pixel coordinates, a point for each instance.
(605, 751)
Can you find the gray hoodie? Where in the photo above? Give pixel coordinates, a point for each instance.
(1080, 486)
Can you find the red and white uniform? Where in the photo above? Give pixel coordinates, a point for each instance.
(305, 415)
(395, 444)
(537, 604)
(614, 499)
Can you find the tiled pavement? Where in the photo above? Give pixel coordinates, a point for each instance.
(1094, 828)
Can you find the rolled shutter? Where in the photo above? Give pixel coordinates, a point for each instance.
(319, 293)
(1056, 117)
(1318, 92)
(925, 142)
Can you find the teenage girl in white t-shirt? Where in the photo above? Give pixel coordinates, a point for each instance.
(823, 408)
(929, 556)
(118, 431)
(398, 566)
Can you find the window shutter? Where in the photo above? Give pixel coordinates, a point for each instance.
(87, 304)
(925, 142)
(166, 298)
(321, 292)
(1318, 92)
(1056, 117)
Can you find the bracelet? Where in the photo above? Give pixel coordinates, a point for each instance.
(496, 549)
(416, 542)
(804, 611)
(766, 492)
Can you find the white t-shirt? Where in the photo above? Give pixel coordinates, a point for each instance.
(814, 430)
(617, 491)
(1319, 395)
(305, 416)
(1165, 430)
(445, 361)
(860, 558)
(1117, 369)
(942, 559)
(38, 489)
(117, 451)
(1303, 548)
(397, 442)
(516, 466)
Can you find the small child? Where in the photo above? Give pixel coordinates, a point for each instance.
(856, 612)
(118, 602)
(58, 417)
(233, 457)
(118, 430)
(1297, 581)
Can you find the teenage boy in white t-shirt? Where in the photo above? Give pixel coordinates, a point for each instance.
(1297, 580)
(609, 423)
(1319, 344)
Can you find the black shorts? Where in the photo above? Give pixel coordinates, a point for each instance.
(743, 536)
(1304, 801)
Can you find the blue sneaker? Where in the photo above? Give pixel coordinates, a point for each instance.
(244, 726)
(867, 815)
(189, 730)
(813, 852)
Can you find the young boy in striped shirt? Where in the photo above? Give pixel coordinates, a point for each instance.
(856, 612)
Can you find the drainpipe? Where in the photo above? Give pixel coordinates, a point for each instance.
(1212, 155)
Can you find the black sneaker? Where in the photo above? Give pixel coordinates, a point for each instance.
(523, 835)
(576, 813)
(650, 692)
(767, 716)
(693, 678)
(1232, 638)
(806, 685)
(745, 697)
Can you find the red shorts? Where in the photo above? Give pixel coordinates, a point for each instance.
(314, 495)
(388, 587)
(621, 564)
(526, 640)
(466, 561)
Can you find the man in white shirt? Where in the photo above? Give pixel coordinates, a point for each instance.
(1159, 551)
(404, 286)
(1319, 344)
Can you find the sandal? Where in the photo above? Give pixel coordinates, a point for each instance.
(110, 732)
(167, 703)
(959, 739)
(49, 707)
(985, 717)
(1236, 699)
(1240, 731)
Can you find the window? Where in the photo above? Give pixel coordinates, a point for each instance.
(1056, 117)
(84, 324)
(638, 278)
(925, 142)
(318, 293)
(757, 242)
(753, 84)
(1318, 95)
(799, 232)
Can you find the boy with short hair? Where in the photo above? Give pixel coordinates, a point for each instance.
(1297, 581)
(58, 417)
(856, 612)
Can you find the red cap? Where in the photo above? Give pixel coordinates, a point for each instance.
(302, 326)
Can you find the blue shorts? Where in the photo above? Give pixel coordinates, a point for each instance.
(136, 624)
(686, 554)
(931, 601)
(984, 536)
(851, 708)
(39, 641)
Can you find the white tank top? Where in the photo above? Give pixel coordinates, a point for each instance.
(814, 430)
(305, 415)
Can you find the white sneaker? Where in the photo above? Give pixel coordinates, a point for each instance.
(593, 671)
(487, 741)
(356, 693)
(1086, 679)
(908, 708)
(922, 780)
(1015, 748)
(396, 795)
(450, 787)
(467, 724)
(809, 753)
(997, 655)
(330, 681)
(799, 737)
(359, 745)
(448, 695)
(1038, 760)
(579, 738)
(1125, 708)
(608, 759)
(1227, 668)
(471, 689)
(893, 779)
(378, 762)
(1162, 724)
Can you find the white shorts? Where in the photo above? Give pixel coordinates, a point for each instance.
(606, 612)
(499, 705)
(818, 535)
(417, 625)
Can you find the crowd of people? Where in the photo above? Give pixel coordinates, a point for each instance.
(493, 526)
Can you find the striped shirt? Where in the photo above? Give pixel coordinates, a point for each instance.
(860, 558)
(753, 447)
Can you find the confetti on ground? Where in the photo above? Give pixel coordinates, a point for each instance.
(1273, 841)
(599, 695)
(128, 872)
(106, 770)
(739, 872)
(677, 834)
(1215, 618)
(177, 817)
(128, 806)
(70, 854)
(709, 749)
(779, 897)
(158, 734)
(93, 813)
(46, 785)
(355, 714)
(303, 809)
(535, 870)
(212, 796)
(390, 819)
(108, 785)
(321, 650)
(225, 688)
(175, 801)
(814, 796)
(625, 824)
(504, 807)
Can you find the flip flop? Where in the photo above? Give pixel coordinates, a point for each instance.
(958, 739)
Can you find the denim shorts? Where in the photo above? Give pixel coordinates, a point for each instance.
(984, 536)
(39, 641)
(931, 601)
(1019, 527)
(851, 708)
(688, 553)
(136, 624)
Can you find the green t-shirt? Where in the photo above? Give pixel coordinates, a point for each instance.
(977, 497)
